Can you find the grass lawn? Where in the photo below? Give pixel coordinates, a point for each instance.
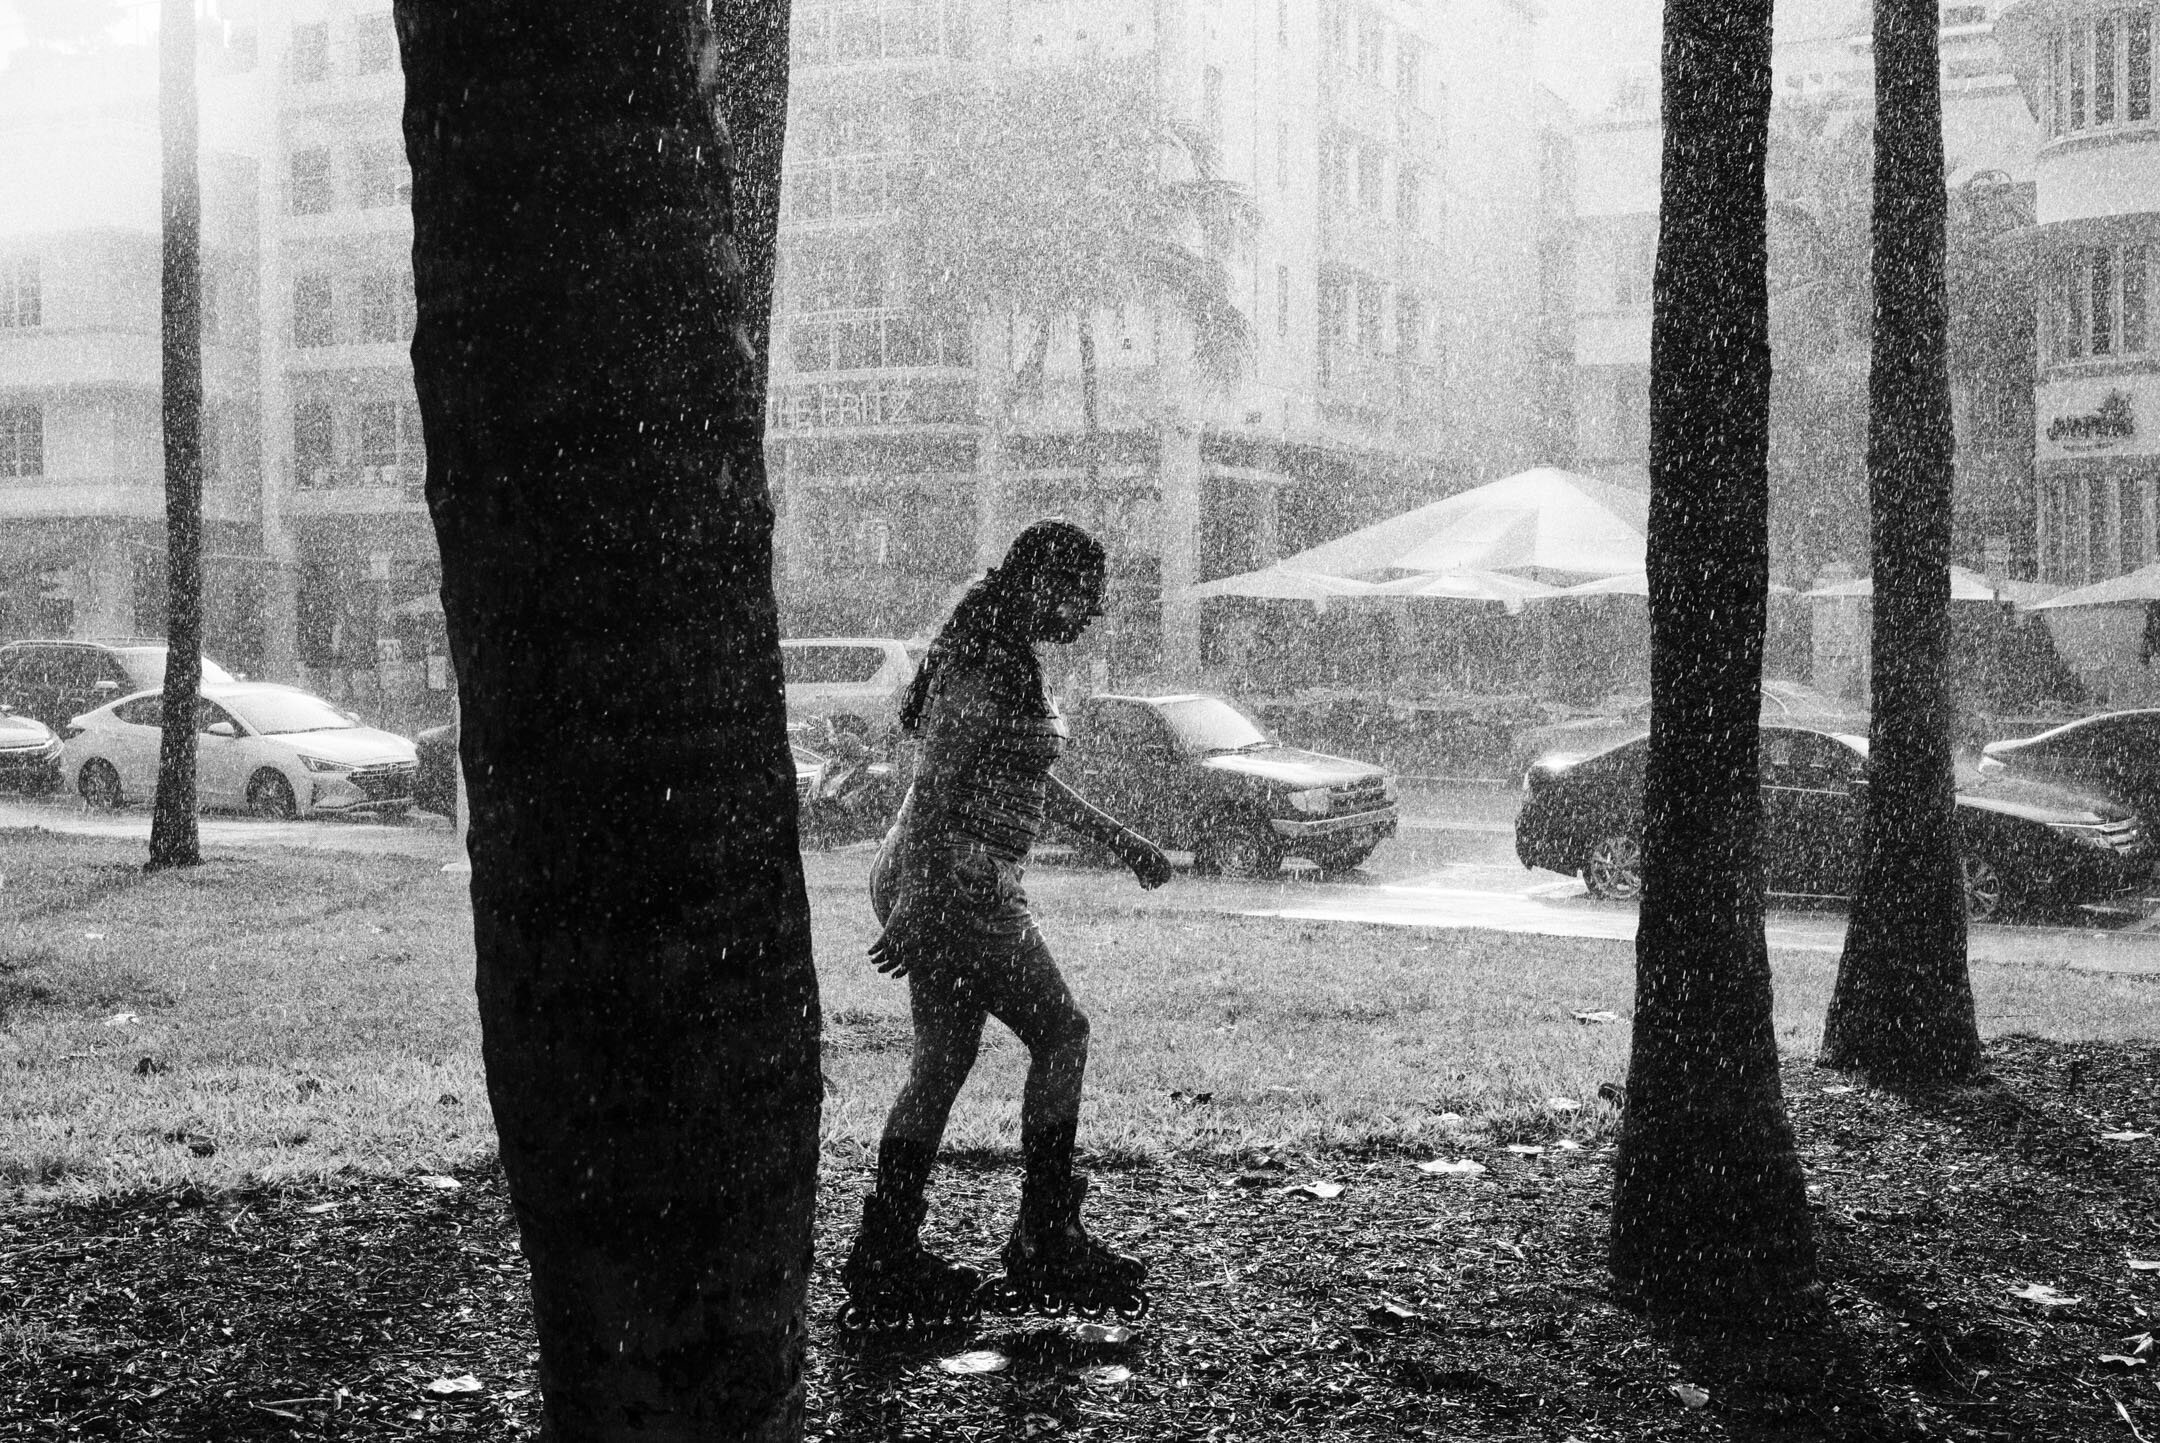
(278, 1016)
(247, 1187)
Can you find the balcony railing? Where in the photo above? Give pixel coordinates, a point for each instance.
(854, 189)
(867, 32)
(409, 480)
(875, 340)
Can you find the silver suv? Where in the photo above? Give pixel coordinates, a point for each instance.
(847, 679)
(56, 681)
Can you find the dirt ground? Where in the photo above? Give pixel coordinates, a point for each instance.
(1978, 1249)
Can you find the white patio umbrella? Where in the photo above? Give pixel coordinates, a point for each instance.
(1283, 583)
(1510, 591)
(2131, 589)
(1635, 583)
(1547, 523)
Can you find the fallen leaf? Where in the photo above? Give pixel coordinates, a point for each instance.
(1525, 1149)
(2120, 1360)
(2140, 1265)
(1568, 1144)
(1106, 1375)
(1448, 1119)
(462, 1383)
(93, 936)
(320, 1207)
(2124, 1136)
(518, 1393)
(2044, 1295)
(1562, 1104)
(1595, 1019)
(2137, 1345)
(982, 1360)
(1839, 1089)
(438, 1181)
(1389, 1314)
(1690, 1396)
(1318, 1188)
(1461, 1167)
(1103, 1333)
(121, 1019)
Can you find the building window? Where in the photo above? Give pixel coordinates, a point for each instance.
(378, 177)
(1334, 311)
(22, 441)
(1409, 325)
(849, 32)
(1282, 22)
(1368, 316)
(1408, 198)
(2099, 72)
(1211, 104)
(310, 53)
(1338, 34)
(311, 181)
(1282, 301)
(311, 310)
(21, 294)
(374, 43)
(2102, 304)
(386, 307)
(1368, 177)
(1335, 171)
(2133, 535)
(314, 435)
(1406, 71)
(1371, 40)
(390, 436)
(869, 340)
(2137, 52)
(1282, 155)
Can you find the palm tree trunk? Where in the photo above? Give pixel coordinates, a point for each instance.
(174, 841)
(1903, 1006)
(593, 260)
(1709, 1209)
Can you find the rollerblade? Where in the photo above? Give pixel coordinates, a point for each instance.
(1052, 1266)
(893, 1281)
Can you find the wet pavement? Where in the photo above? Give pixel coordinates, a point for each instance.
(1452, 866)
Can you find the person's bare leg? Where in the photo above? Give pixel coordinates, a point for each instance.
(948, 1035)
(1028, 994)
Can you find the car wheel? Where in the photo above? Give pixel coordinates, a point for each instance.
(99, 784)
(1240, 848)
(1614, 868)
(1987, 894)
(270, 796)
(1334, 864)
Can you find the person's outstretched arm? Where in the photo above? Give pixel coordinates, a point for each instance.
(1067, 808)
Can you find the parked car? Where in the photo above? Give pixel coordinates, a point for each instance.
(2025, 843)
(435, 784)
(2116, 752)
(56, 680)
(847, 679)
(276, 751)
(29, 754)
(1785, 703)
(1194, 772)
(845, 791)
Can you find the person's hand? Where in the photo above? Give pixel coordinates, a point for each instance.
(1148, 863)
(901, 943)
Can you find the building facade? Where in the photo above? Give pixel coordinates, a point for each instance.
(1404, 178)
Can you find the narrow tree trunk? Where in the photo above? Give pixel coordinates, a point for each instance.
(1709, 1208)
(173, 837)
(594, 203)
(1090, 400)
(1903, 1006)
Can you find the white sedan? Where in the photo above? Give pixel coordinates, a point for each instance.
(276, 751)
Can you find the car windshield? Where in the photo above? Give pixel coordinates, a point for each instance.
(1204, 724)
(146, 668)
(280, 713)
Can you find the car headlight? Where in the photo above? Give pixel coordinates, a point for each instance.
(2085, 832)
(320, 764)
(1387, 789)
(1313, 801)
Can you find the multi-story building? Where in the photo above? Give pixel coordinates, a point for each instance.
(1397, 164)
(1616, 218)
(82, 499)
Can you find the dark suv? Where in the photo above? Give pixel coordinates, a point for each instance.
(57, 681)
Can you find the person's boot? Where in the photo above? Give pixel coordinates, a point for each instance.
(1052, 1265)
(892, 1280)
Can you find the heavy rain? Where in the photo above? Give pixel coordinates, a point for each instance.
(1133, 719)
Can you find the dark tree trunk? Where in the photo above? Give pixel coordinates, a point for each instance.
(173, 837)
(1903, 1007)
(1709, 1210)
(595, 194)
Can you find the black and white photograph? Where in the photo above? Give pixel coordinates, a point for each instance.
(1133, 721)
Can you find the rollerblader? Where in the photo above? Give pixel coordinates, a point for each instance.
(947, 889)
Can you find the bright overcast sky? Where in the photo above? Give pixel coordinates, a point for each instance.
(1580, 40)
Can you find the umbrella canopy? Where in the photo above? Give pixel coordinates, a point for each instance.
(1282, 583)
(1544, 522)
(2131, 589)
(427, 605)
(1512, 591)
(1964, 586)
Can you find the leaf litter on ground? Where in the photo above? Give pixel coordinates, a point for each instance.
(1261, 1317)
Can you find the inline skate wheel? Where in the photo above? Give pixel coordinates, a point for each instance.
(1131, 1307)
(853, 1318)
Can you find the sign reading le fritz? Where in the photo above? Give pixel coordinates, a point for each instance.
(2110, 422)
(844, 404)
